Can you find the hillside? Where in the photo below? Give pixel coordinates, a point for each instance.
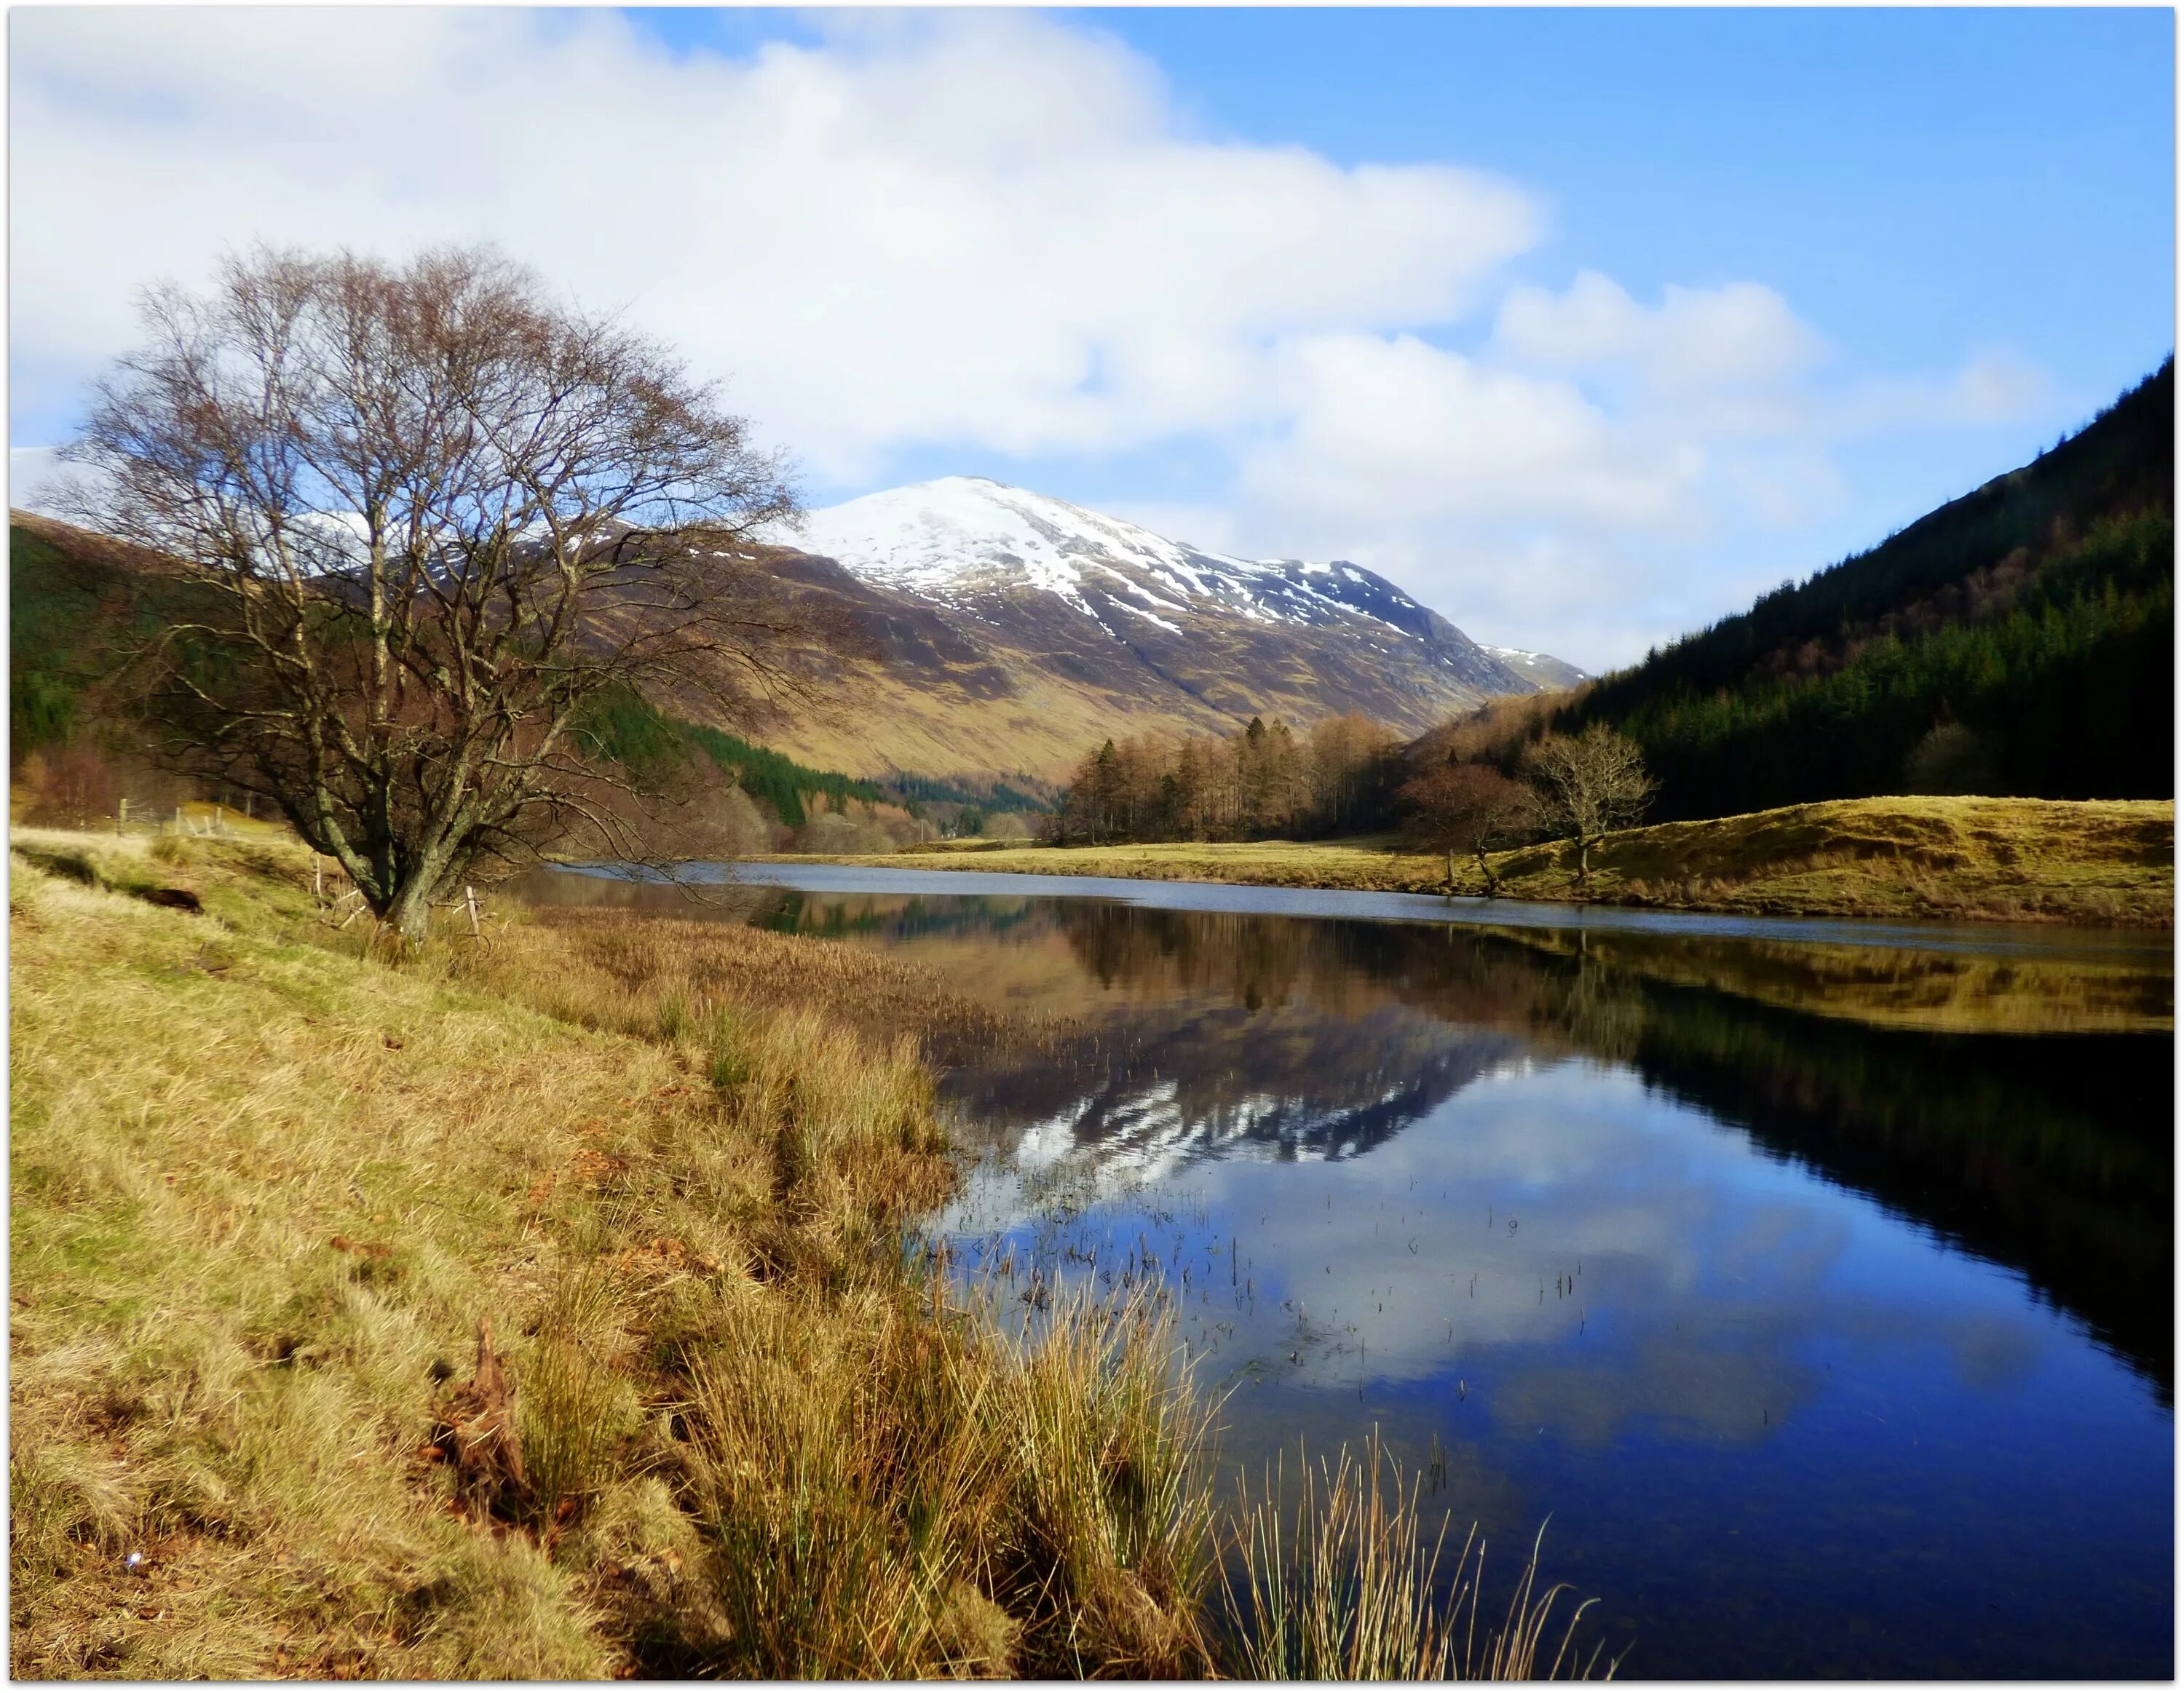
(995, 633)
(2017, 641)
(75, 759)
(1013, 630)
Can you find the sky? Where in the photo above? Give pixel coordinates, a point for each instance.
(1584, 326)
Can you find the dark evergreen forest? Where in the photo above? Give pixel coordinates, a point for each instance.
(2019, 641)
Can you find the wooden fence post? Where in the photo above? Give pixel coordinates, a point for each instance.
(470, 905)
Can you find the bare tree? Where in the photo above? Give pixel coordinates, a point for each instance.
(1590, 784)
(423, 522)
(1471, 808)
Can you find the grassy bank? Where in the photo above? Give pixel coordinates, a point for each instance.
(2011, 861)
(537, 1307)
(270, 1197)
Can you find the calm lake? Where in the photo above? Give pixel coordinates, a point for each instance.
(1815, 1279)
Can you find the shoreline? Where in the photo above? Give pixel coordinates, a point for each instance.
(649, 1186)
(2105, 864)
(275, 1195)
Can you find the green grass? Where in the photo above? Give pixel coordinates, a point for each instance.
(2011, 861)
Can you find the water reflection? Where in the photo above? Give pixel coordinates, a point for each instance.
(1833, 1325)
(1219, 1035)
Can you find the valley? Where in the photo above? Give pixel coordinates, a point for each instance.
(1291, 846)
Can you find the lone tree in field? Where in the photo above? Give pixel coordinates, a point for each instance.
(424, 524)
(1458, 807)
(1589, 784)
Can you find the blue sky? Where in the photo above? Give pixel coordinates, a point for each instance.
(1582, 325)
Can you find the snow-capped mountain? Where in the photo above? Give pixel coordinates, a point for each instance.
(1018, 621)
(961, 539)
(1542, 670)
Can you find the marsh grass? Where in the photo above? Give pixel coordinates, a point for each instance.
(1347, 1585)
(912, 1496)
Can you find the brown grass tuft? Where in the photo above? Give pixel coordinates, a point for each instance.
(268, 1186)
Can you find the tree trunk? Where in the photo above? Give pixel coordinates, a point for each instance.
(1486, 874)
(411, 913)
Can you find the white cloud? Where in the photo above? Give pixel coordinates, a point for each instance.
(1696, 341)
(976, 228)
(1395, 428)
(981, 230)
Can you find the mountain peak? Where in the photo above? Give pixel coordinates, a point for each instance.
(955, 534)
(1066, 580)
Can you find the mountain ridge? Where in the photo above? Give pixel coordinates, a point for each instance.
(1058, 625)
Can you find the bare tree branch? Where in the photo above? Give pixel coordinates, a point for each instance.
(425, 522)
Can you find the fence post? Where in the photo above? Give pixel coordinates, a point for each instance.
(318, 880)
(470, 905)
(121, 818)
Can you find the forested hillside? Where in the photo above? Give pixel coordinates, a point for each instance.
(2018, 640)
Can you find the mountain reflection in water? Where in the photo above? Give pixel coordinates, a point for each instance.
(1227, 1036)
(1833, 1326)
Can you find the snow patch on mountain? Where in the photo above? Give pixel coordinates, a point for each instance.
(1200, 622)
(941, 538)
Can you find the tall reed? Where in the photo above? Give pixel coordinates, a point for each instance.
(1347, 1587)
(919, 1492)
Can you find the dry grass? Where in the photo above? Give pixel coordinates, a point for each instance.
(2012, 861)
(914, 1495)
(272, 1194)
(653, 976)
(1346, 1586)
(266, 1188)
(1896, 986)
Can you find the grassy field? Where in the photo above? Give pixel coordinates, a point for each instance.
(538, 1308)
(2012, 861)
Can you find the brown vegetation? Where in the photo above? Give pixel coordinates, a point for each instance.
(1469, 808)
(2094, 861)
(1265, 779)
(750, 1439)
(650, 1176)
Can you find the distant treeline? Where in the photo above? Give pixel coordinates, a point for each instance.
(1001, 795)
(2019, 641)
(1265, 780)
